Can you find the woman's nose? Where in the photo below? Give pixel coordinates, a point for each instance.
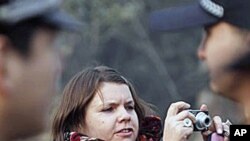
(124, 115)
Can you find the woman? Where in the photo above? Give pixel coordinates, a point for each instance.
(100, 104)
(101, 97)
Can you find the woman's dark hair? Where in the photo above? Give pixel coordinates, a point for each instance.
(79, 92)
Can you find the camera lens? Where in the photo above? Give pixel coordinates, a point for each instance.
(203, 121)
(207, 121)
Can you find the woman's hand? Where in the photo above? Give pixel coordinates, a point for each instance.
(174, 129)
(219, 127)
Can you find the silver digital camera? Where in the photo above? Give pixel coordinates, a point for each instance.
(203, 120)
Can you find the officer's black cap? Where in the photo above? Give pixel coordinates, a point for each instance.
(14, 11)
(202, 13)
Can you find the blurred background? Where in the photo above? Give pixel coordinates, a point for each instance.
(163, 66)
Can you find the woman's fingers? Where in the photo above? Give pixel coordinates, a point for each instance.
(203, 107)
(177, 131)
(175, 108)
(174, 128)
(218, 124)
(219, 127)
(185, 114)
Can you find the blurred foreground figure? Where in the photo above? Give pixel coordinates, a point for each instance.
(226, 40)
(29, 64)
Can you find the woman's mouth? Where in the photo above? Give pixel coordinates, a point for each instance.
(125, 132)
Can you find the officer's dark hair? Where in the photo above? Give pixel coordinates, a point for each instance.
(20, 34)
(3, 2)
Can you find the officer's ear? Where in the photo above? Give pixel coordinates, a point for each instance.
(248, 38)
(4, 52)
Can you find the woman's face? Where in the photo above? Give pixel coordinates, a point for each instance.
(112, 116)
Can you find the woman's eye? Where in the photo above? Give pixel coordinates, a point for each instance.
(130, 107)
(110, 109)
